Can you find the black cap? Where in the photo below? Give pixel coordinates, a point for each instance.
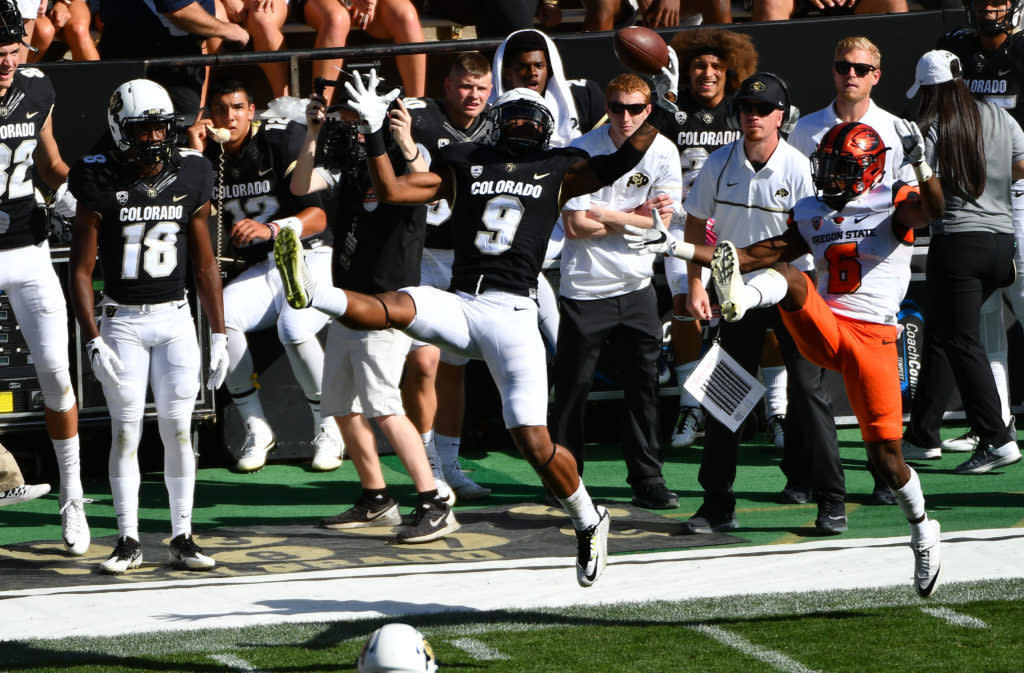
(763, 88)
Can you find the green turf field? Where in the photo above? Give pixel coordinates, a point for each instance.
(977, 628)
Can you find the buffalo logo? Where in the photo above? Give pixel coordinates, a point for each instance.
(816, 222)
(116, 104)
(782, 192)
(476, 171)
(756, 85)
(638, 180)
(510, 167)
(866, 140)
(441, 142)
(122, 197)
(680, 117)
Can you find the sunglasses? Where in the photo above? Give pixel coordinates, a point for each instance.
(861, 69)
(632, 108)
(760, 109)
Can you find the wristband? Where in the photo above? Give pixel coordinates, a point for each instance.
(414, 157)
(923, 171)
(274, 228)
(375, 144)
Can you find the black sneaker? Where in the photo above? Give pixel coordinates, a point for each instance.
(831, 516)
(882, 495)
(655, 496)
(366, 513)
(185, 553)
(127, 555)
(703, 522)
(794, 496)
(430, 521)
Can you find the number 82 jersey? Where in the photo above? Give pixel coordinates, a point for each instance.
(144, 223)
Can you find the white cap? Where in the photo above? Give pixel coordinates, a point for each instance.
(935, 67)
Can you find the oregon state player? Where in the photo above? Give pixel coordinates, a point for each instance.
(253, 169)
(860, 231)
(505, 198)
(143, 207)
(27, 147)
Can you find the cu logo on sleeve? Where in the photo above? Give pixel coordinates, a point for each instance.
(638, 180)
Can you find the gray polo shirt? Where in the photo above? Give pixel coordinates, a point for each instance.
(1004, 145)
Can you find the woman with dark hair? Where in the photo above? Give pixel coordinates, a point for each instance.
(977, 150)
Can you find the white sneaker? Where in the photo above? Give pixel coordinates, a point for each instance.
(74, 527)
(127, 555)
(328, 449)
(776, 431)
(725, 269)
(688, 426)
(927, 558)
(912, 451)
(965, 443)
(464, 487)
(987, 458)
(592, 549)
(23, 493)
(259, 441)
(291, 264)
(184, 553)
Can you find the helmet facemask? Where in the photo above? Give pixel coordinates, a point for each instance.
(521, 126)
(1007, 23)
(849, 161)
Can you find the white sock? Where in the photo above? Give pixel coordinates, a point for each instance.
(432, 457)
(67, 451)
(581, 509)
(330, 300)
(910, 498)
(997, 363)
(180, 493)
(766, 288)
(774, 379)
(683, 372)
(249, 406)
(447, 448)
(125, 491)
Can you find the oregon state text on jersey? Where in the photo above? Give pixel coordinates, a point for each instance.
(506, 207)
(432, 130)
(995, 77)
(861, 255)
(23, 110)
(144, 227)
(255, 183)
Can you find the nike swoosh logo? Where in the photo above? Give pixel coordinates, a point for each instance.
(538, 176)
(862, 217)
(835, 518)
(730, 184)
(886, 342)
(1018, 194)
(1001, 73)
(179, 197)
(29, 115)
(265, 171)
(434, 523)
(518, 308)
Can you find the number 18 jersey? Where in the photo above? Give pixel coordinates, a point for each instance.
(144, 226)
(503, 210)
(862, 257)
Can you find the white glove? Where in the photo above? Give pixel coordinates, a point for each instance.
(667, 82)
(913, 141)
(105, 363)
(64, 202)
(372, 108)
(218, 360)
(692, 160)
(657, 240)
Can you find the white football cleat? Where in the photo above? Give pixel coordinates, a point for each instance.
(592, 549)
(259, 441)
(725, 269)
(291, 264)
(23, 493)
(184, 553)
(328, 448)
(927, 557)
(74, 527)
(127, 555)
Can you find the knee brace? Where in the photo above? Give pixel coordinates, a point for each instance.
(58, 395)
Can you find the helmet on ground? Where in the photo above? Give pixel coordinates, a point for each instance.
(521, 121)
(137, 103)
(849, 161)
(396, 648)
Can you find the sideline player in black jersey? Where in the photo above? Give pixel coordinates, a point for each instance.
(143, 207)
(433, 388)
(26, 273)
(506, 196)
(991, 52)
(252, 167)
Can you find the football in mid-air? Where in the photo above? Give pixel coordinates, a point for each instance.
(641, 49)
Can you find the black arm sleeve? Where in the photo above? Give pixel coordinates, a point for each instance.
(611, 167)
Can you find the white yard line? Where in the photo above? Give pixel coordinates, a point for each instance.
(397, 591)
(477, 649)
(955, 618)
(777, 660)
(234, 663)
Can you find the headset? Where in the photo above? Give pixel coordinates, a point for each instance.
(790, 113)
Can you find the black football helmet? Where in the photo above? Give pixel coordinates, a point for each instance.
(12, 26)
(1008, 23)
(849, 161)
(520, 121)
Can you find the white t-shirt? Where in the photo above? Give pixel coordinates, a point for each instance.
(749, 207)
(809, 131)
(598, 268)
